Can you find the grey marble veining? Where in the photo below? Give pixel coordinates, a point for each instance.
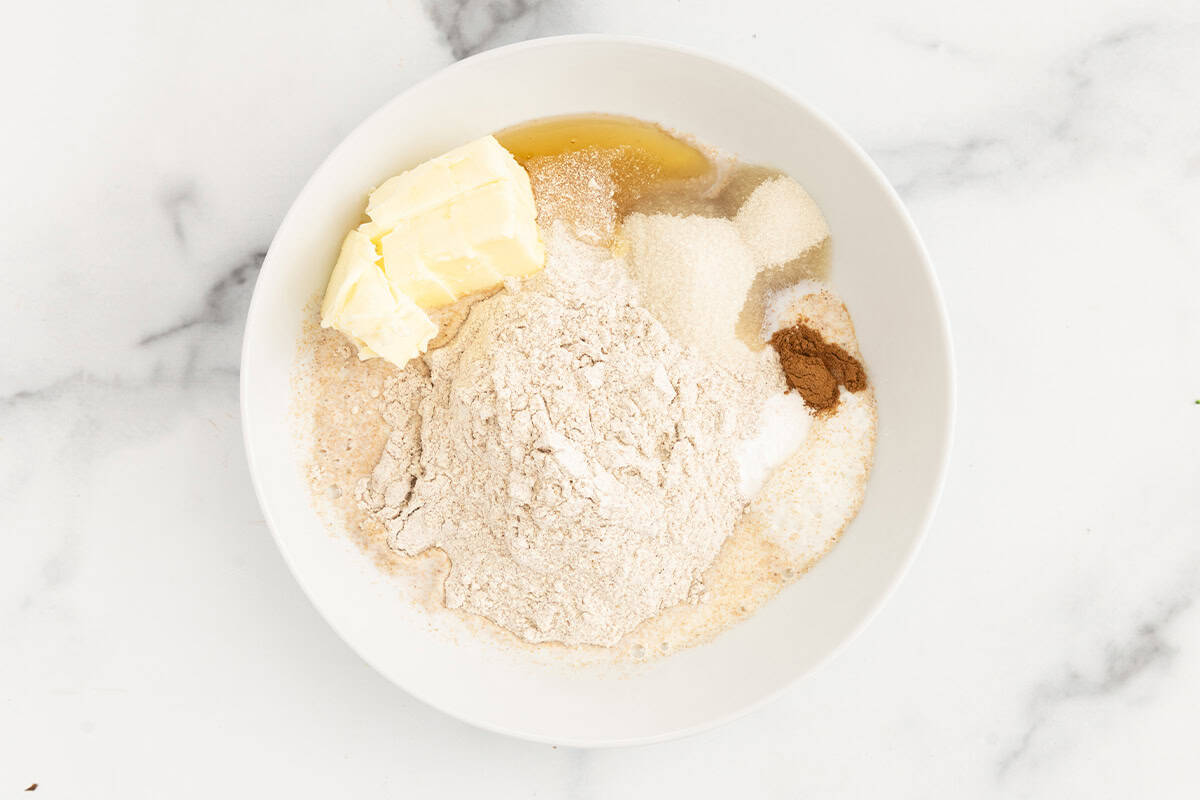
(1053, 127)
(469, 25)
(1144, 652)
(177, 201)
(225, 302)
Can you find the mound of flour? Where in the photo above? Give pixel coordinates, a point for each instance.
(574, 462)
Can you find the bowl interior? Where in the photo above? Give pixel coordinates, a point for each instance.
(879, 267)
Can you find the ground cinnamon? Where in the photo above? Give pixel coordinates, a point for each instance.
(815, 368)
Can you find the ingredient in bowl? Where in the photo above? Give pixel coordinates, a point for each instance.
(693, 273)
(643, 149)
(780, 221)
(814, 367)
(461, 223)
(361, 303)
(600, 452)
(785, 423)
(579, 188)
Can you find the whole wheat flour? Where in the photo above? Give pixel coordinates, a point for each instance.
(575, 463)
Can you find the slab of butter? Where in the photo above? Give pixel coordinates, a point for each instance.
(361, 303)
(460, 223)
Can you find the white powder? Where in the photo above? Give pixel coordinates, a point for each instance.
(807, 502)
(780, 221)
(573, 461)
(785, 423)
(581, 270)
(694, 273)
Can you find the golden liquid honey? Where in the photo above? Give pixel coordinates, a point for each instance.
(646, 144)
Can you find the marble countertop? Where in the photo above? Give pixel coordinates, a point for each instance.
(1047, 641)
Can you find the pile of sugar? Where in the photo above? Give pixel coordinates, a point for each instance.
(785, 423)
(693, 273)
(780, 221)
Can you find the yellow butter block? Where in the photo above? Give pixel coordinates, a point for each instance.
(457, 224)
(360, 302)
(408, 272)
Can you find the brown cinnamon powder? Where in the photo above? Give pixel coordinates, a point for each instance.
(816, 368)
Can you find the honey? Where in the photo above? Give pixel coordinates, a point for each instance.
(650, 145)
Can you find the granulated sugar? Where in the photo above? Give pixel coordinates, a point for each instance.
(785, 423)
(807, 502)
(780, 221)
(693, 273)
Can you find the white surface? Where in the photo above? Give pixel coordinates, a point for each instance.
(1046, 642)
(881, 273)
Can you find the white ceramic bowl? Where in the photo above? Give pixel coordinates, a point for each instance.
(880, 268)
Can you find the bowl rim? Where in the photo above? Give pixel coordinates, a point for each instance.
(946, 355)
